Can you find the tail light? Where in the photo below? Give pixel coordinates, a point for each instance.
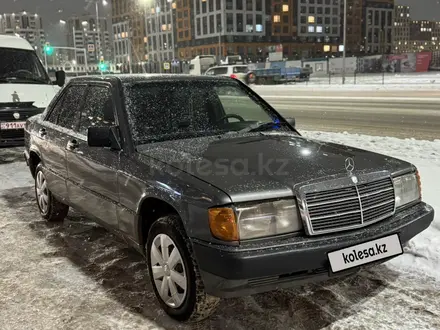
(233, 76)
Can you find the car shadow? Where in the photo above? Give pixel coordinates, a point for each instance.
(122, 273)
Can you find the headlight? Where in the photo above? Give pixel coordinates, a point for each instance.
(255, 220)
(407, 189)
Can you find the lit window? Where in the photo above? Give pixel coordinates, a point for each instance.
(285, 8)
(401, 14)
(164, 27)
(277, 19)
(311, 19)
(319, 29)
(174, 5)
(311, 28)
(145, 39)
(326, 48)
(407, 15)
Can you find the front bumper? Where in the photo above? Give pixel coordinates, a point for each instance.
(237, 271)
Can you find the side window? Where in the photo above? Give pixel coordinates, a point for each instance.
(65, 112)
(220, 71)
(98, 109)
(210, 72)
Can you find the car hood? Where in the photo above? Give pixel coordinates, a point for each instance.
(39, 94)
(260, 166)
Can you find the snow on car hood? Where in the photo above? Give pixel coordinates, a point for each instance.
(255, 165)
(41, 95)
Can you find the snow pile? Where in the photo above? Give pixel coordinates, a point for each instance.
(424, 250)
(76, 275)
(415, 82)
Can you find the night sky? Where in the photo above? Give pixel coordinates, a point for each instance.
(54, 10)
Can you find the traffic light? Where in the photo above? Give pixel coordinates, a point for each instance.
(102, 65)
(48, 49)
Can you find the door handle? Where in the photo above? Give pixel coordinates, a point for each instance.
(42, 132)
(72, 144)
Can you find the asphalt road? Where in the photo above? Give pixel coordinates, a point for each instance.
(402, 114)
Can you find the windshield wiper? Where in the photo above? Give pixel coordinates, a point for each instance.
(258, 127)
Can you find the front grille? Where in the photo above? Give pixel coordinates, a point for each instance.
(11, 134)
(350, 207)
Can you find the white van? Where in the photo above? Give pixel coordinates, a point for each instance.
(25, 88)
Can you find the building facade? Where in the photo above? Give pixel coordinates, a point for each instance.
(402, 27)
(355, 39)
(160, 21)
(424, 36)
(27, 25)
(133, 12)
(378, 26)
(121, 43)
(83, 32)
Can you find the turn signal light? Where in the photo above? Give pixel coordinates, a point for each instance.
(419, 182)
(223, 224)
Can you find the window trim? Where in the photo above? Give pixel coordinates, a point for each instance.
(59, 99)
(106, 85)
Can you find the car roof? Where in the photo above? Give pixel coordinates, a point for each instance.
(12, 41)
(137, 78)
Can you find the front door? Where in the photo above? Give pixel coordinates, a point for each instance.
(92, 171)
(52, 136)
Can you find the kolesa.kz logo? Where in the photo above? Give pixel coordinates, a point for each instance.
(366, 253)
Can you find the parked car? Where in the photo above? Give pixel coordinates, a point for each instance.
(25, 88)
(221, 193)
(237, 71)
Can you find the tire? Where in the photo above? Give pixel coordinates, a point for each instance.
(192, 304)
(50, 208)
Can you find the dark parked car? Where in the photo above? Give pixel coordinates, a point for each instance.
(219, 191)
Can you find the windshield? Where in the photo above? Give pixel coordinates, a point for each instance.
(174, 110)
(21, 66)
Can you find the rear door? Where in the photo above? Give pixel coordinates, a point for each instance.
(92, 171)
(52, 136)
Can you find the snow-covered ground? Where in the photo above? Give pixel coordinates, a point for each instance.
(78, 276)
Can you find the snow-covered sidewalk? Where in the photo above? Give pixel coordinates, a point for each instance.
(78, 276)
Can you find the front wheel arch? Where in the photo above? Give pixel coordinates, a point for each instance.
(149, 211)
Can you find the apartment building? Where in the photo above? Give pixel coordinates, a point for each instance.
(28, 25)
(160, 21)
(84, 32)
(378, 26)
(132, 12)
(122, 48)
(424, 36)
(402, 27)
(355, 19)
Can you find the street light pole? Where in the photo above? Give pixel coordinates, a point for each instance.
(219, 43)
(74, 42)
(345, 41)
(98, 51)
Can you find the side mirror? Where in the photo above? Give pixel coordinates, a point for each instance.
(60, 78)
(104, 137)
(291, 121)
